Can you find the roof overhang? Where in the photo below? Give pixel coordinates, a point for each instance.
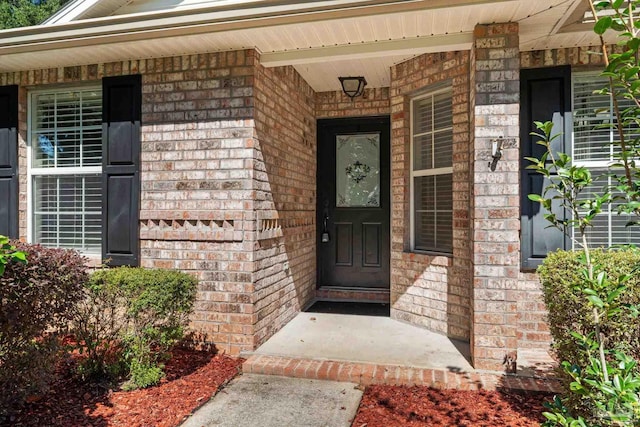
(76, 9)
(165, 24)
(403, 47)
(319, 38)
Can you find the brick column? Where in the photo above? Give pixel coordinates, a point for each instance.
(496, 225)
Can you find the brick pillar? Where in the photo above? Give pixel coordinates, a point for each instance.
(496, 200)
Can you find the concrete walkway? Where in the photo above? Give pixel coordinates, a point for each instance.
(348, 350)
(378, 350)
(269, 401)
(367, 339)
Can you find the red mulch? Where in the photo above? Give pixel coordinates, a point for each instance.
(391, 406)
(192, 377)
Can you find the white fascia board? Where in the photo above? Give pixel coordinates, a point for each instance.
(75, 9)
(145, 26)
(414, 46)
(70, 11)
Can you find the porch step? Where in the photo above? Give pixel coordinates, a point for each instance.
(368, 374)
(332, 293)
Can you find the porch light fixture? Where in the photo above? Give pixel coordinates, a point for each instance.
(353, 86)
(496, 152)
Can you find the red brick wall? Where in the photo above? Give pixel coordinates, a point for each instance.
(197, 179)
(373, 102)
(285, 177)
(226, 197)
(197, 188)
(496, 193)
(427, 290)
(228, 188)
(587, 56)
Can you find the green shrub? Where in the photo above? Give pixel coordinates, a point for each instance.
(143, 375)
(130, 319)
(36, 299)
(9, 253)
(569, 312)
(99, 322)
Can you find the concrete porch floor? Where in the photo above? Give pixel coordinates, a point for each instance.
(377, 350)
(367, 339)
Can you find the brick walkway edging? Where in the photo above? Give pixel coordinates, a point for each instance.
(368, 374)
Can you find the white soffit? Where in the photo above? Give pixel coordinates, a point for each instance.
(535, 35)
(323, 76)
(373, 49)
(322, 50)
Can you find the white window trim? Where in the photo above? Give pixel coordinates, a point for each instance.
(422, 172)
(590, 163)
(593, 165)
(33, 171)
(596, 164)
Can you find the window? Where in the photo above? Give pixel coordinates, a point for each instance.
(592, 148)
(65, 168)
(432, 172)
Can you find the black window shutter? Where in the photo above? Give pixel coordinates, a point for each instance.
(121, 112)
(545, 95)
(9, 161)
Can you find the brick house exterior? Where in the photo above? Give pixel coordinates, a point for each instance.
(228, 167)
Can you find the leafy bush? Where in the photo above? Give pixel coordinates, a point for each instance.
(602, 370)
(8, 253)
(99, 322)
(569, 310)
(130, 319)
(36, 298)
(570, 298)
(143, 375)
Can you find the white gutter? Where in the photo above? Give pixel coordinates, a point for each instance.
(146, 26)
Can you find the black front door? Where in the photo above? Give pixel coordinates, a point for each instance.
(353, 202)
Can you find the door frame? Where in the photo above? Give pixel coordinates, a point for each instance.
(321, 127)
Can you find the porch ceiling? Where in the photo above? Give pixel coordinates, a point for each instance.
(322, 46)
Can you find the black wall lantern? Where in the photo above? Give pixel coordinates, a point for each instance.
(496, 152)
(353, 86)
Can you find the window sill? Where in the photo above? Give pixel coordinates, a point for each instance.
(430, 253)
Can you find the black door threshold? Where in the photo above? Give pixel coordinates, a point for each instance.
(356, 308)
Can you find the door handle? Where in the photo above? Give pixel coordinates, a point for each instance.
(325, 229)
(325, 223)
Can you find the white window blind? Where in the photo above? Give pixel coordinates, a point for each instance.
(432, 172)
(66, 162)
(592, 148)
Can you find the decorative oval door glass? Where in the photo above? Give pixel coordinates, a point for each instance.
(358, 170)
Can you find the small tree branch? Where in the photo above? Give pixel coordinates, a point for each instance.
(596, 314)
(614, 98)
